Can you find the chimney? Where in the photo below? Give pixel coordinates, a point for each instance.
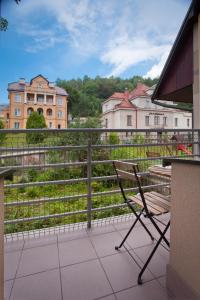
(22, 81)
(126, 94)
(51, 84)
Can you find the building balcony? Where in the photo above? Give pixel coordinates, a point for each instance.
(64, 213)
(83, 264)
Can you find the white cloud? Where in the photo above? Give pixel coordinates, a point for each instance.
(121, 34)
(156, 70)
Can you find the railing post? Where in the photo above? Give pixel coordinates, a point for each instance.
(198, 150)
(1, 240)
(89, 182)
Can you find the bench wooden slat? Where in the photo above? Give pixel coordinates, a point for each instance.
(157, 202)
(126, 175)
(167, 198)
(123, 165)
(162, 171)
(156, 205)
(137, 199)
(158, 197)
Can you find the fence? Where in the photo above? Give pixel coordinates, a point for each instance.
(65, 178)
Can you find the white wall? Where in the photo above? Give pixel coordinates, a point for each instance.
(110, 104)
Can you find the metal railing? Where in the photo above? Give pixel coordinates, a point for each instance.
(64, 178)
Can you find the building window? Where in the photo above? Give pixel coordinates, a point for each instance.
(188, 122)
(49, 99)
(50, 125)
(60, 114)
(59, 126)
(165, 121)
(129, 120)
(16, 125)
(176, 122)
(106, 123)
(40, 98)
(49, 112)
(40, 111)
(60, 101)
(17, 112)
(30, 97)
(17, 98)
(156, 120)
(29, 111)
(147, 120)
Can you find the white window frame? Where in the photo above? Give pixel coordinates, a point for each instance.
(60, 101)
(188, 122)
(165, 121)
(50, 125)
(129, 120)
(18, 98)
(40, 99)
(176, 122)
(18, 125)
(156, 120)
(147, 123)
(17, 112)
(60, 114)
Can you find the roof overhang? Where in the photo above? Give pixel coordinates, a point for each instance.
(176, 80)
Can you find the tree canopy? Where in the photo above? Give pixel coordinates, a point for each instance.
(35, 120)
(86, 95)
(3, 21)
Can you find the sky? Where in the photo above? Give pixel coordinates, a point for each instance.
(71, 38)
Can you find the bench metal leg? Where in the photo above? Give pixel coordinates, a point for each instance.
(152, 253)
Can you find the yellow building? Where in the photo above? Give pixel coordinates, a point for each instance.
(39, 95)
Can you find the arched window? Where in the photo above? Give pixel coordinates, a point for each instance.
(49, 112)
(29, 111)
(40, 111)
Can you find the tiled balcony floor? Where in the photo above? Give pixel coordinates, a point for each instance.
(85, 266)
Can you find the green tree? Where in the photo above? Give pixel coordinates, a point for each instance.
(3, 21)
(2, 134)
(86, 95)
(35, 120)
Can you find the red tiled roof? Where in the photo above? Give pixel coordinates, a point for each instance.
(117, 96)
(125, 103)
(140, 90)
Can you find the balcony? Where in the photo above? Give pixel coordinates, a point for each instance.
(64, 213)
(83, 264)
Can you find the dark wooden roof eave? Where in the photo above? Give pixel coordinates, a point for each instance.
(188, 22)
(183, 95)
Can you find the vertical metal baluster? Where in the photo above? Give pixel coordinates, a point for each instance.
(89, 183)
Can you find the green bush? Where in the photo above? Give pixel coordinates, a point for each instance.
(2, 134)
(35, 120)
(113, 138)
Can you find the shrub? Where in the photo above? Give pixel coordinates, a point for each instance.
(35, 120)
(2, 134)
(113, 138)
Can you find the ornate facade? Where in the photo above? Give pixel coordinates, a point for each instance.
(39, 95)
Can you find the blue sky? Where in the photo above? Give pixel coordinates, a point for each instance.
(71, 38)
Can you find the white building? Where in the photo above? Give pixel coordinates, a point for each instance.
(134, 110)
